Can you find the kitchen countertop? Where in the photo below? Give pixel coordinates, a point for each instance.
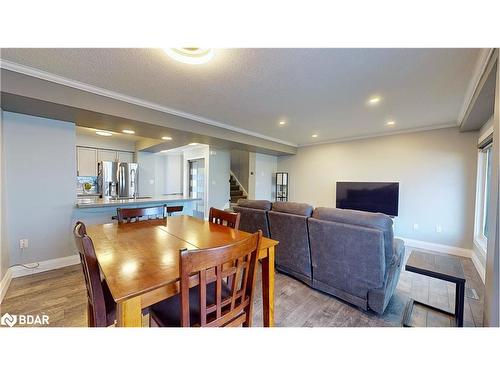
(95, 201)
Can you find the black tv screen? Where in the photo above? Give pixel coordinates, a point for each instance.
(369, 196)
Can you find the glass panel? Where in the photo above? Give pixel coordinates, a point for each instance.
(487, 189)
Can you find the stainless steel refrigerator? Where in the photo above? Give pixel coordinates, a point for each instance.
(118, 180)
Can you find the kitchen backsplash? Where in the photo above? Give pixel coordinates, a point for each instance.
(81, 181)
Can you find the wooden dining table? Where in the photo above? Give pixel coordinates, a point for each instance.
(140, 261)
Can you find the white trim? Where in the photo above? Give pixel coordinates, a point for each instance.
(481, 65)
(445, 249)
(4, 284)
(376, 135)
(479, 266)
(40, 74)
(46, 265)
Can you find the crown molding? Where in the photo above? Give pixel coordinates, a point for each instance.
(40, 74)
(481, 66)
(377, 135)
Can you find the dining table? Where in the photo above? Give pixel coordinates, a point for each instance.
(140, 260)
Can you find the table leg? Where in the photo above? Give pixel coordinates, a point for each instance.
(459, 304)
(128, 313)
(268, 287)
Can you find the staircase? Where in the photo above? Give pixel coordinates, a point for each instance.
(236, 191)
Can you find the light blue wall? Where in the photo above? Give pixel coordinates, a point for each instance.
(39, 168)
(4, 253)
(218, 175)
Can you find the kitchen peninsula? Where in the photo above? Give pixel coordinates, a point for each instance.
(95, 210)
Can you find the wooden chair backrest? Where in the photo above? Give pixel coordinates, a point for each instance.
(237, 262)
(129, 214)
(228, 219)
(95, 294)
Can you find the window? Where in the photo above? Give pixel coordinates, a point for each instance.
(483, 195)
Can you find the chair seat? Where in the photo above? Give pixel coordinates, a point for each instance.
(167, 313)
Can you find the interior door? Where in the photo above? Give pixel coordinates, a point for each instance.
(197, 186)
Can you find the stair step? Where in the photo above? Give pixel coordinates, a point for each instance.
(236, 193)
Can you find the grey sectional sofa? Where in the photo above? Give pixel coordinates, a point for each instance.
(350, 254)
(288, 225)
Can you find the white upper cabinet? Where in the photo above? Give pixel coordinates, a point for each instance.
(106, 155)
(86, 161)
(125, 157)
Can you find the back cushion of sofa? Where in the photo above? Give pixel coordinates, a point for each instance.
(348, 257)
(303, 209)
(256, 204)
(293, 253)
(252, 220)
(365, 219)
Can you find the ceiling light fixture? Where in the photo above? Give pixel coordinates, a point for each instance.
(391, 123)
(126, 131)
(374, 100)
(194, 144)
(164, 150)
(314, 136)
(104, 133)
(166, 138)
(193, 56)
(282, 122)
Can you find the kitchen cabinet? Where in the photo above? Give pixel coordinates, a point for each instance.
(125, 157)
(106, 155)
(86, 161)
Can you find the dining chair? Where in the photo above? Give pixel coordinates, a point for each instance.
(129, 214)
(228, 219)
(101, 306)
(172, 209)
(212, 302)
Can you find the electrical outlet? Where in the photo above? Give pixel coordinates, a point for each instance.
(24, 243)
(439, 229)
(415, 226)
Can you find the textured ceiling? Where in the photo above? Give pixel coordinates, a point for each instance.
(322, 91)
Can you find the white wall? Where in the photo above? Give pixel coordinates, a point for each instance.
(436, 171)
(111, 143)
(218, 174)
(173, 183)
(265, 169)
(39, 167)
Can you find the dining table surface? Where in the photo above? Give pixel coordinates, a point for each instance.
(140, 260)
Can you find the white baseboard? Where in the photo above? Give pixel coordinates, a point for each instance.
(452, 250)
(46, 265)
(4, 284)
(479, 267)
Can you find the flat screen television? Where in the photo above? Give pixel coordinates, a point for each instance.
(369, 196)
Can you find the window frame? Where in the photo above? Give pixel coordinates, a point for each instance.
(480, 240)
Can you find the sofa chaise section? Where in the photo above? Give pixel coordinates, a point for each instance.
(355, 256)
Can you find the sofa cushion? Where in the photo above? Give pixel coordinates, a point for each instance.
(252, 219)
(302, 209)
(365, 219)
(256, 204)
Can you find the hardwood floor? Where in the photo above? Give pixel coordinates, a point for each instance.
(61, 295)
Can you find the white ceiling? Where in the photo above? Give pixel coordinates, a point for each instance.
(321, 91)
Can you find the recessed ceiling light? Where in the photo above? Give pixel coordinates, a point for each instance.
(166, 138)
(104, 133)
(374, 100)
(194, 144)
(126, 131)
(164, 150)
(193, 56)
(314, 136)
(391, 123)
(282, 122)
